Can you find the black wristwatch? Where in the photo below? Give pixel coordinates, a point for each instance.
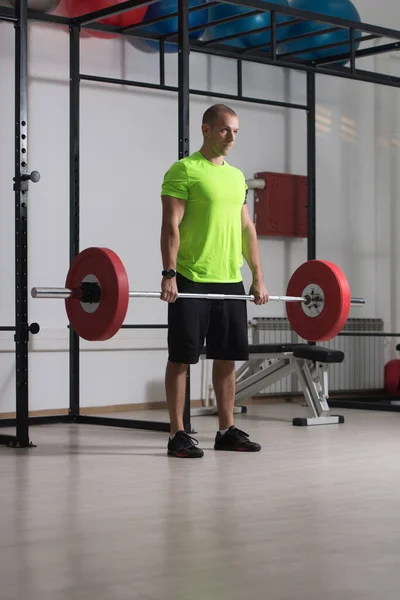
(169, 273)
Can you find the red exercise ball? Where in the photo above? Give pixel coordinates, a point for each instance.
(132, 16)
(75, 8)
(392, 377)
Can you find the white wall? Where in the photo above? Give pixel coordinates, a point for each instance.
(128, 141)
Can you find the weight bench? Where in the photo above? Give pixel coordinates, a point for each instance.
(269, 363)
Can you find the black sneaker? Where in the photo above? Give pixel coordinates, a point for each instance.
(235, 440)
(184, 446)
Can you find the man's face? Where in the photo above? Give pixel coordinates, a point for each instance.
(221, 136)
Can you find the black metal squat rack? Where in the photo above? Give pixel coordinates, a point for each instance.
(20, 17)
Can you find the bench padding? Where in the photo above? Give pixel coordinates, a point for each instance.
(271, 348)
(316, 353)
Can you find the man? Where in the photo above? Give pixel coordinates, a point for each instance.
(206, 230)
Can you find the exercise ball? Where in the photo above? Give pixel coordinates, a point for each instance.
(39, 5)
(140, 44)
(132, 16)
(167, 7)
(76, 8)
(245, 25)
(392, 377)
(344, 9)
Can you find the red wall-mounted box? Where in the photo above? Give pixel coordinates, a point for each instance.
(280, 209)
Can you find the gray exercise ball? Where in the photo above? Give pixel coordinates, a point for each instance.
(40, 5)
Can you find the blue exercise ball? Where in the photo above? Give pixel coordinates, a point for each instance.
(344, 9)
(245, 25)
(167, 7)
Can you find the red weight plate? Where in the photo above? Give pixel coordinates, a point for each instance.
(336, 308)
(106, 321)
(392, 377)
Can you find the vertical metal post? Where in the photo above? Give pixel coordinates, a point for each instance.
(183, 77)
(162, 63)
(311, 171)
(352, 51)
(74, 386)
(311, 168)
(273, 35)
(183, 130)
(21, 223)
(239, 78)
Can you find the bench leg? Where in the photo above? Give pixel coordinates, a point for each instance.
(307, 421)
(313, 380)
(316, 394)
(249, 368)
(262, 379)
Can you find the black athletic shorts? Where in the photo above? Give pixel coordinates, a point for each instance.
(220, 324)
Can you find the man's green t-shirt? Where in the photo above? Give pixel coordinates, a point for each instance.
(210, 247)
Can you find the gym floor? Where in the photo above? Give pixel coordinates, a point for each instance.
(100, 513)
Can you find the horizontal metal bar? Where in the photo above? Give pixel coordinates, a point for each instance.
(308, 34)
(63, 293)
(249, 99)
(9, 14)
(249, 297)
(130, 28)
(307, 15)
(291, 39)
(246, 34)
(41, 420)
(127, 82)
(378, 404)
(225, 20)
(368, 334)
(328, 46)
(8, 18)
(343, 72)
(259, 5)
(145, 326)
(117, 9)
(8, 440)
(170, 88)
(84, 419)
(361, 53)
(113, 10)
(7, 328)
(247, 54)
(128, 423)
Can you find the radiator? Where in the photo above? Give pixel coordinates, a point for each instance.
(363, 365)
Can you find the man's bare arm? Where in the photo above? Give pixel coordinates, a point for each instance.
(250, 244)
(251, 253)
(173, 210)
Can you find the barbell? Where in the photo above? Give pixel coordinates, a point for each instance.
(97, 294)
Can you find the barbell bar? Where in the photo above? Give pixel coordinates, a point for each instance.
(64, 293)
(97, 294)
